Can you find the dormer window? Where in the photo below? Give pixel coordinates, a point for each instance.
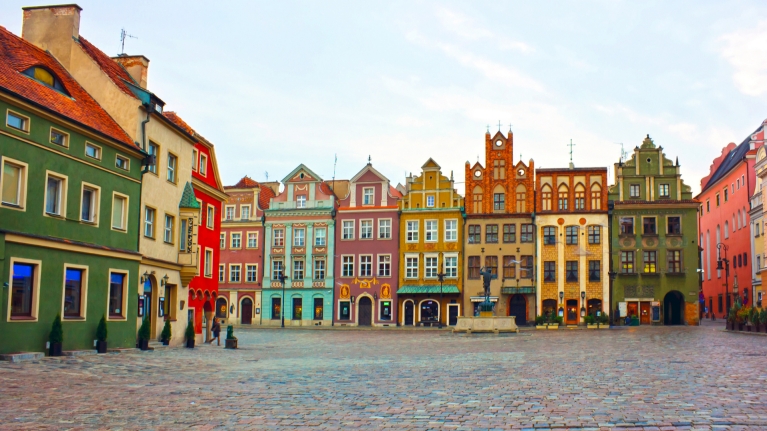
(301, 201)
(430, 201)
(45, 77)
(367, 196)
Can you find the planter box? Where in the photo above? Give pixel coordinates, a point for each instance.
(740, 326)
(589, 326)
(729, 326)
(553, 327)
(231, 343)
(190, 343)
(55, 349)
(541, 326)
(166, 342)
(143, 344)
(101, 346)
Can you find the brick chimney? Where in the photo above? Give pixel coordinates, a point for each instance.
(136, 65)
(53, 28)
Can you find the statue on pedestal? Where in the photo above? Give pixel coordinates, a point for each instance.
(486, 307)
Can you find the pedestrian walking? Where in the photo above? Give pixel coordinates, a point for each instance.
(216, 329)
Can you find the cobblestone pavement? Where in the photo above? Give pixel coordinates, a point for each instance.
(637, 378)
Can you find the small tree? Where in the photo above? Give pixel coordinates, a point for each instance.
(57, 332)
(165, 335)
(540, 320)
(604, 318)
(144, 332)
(763, 316)
(101, 330)
(189, 334)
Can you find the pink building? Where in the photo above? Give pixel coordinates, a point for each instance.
(724, 223)
(367, 252)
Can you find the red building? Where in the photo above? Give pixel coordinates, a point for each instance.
(209, 192)
(241, 241)
(724, 223)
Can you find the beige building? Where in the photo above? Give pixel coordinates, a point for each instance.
(758, 251)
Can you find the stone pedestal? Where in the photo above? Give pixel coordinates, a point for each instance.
(491, 324)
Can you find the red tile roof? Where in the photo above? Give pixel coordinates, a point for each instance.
(265, 193)
(175, 119)
(18, 55)
(264, 197)
(113, 69)
(245, 183)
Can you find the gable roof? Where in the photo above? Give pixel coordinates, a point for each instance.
(265, 196)
(300, 168)
(368, 168)
(178, 122)
(430, 164)
(730, 161)
(111, 68)
(245, 183)
(18, 55)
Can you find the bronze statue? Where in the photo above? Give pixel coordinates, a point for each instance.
(487, 275)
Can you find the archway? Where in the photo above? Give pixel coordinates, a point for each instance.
(365, 311)
(206, 318)
(571, 312)
(150, 293)
(429, 311)
(408, 314)
(673, 312)
(221, 308)
(246, 312)
(518, 308)
(549, 307)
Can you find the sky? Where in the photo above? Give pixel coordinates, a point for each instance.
(276, 84)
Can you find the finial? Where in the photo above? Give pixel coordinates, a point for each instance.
(509, 127)
(677, 161)
(488, 129)
(369, 159)
(499, 125)
(571, 145)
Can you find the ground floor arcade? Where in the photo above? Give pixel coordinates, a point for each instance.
(297, 306)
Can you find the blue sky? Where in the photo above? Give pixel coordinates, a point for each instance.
(275, 84)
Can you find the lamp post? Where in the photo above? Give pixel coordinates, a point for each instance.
(745, 296)
(441, 278)
(583, 304)
(720, 263)
(282, 279)
(561, 304)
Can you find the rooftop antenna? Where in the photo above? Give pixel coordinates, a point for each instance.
(267, 175)
(335, 161)
(624, 154)
(123, 35)
(571, 145)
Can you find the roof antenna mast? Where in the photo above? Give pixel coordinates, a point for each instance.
(267, 175)
(124, 35)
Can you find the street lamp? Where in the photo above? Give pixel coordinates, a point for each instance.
(745, 296)
(561, 304)
(583, 302)
(441, 278)
(282, 279)
(724, 264)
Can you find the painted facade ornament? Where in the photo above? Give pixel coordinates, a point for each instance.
(385, 291)
(365, 284)
(344, 291)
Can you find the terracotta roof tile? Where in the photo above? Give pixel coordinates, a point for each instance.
(175, 119)
(264, 197)
(17, 55)
(245, 183)
(113, 69)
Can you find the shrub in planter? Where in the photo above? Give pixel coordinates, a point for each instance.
(540, 320)
(101, 335)
(763, 319)
(189, 335)
(143, 335)
(165, 335)
(589, 319)
(603, 319)
(56, 337)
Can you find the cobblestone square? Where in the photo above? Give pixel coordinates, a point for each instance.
(638, 378)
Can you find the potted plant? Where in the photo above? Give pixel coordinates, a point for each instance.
(731, 319)
(231, 340)
(742, 317)
(143, 335)
(101, 335)
(603, 320)
(763, 319)
(165, 335)
(189, 335)
(540, 322)
(56, 337)
(590, 321)
(555, 322)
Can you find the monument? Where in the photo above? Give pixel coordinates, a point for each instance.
(487, 321)
(486, 307)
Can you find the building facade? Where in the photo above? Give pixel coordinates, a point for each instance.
(430, 244)
(499, 231)
(654, 240)
(299, 232)
(367, 251)
(70, 187)
(572, 243)
(240, 271)
(723, 222)
(758, 247)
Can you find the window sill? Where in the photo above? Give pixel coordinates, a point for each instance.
(628, 273)
(74, 318)
(649, 235)
(12, 206)
(627, 235)
(117, 318)
(651, 274)
(58, 216)
(676, 273)
(23, 319)
(149, 237)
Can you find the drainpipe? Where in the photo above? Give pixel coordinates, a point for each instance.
(143, 171)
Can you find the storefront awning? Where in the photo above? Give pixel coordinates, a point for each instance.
(422, 289)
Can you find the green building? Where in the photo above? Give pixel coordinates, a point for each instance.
(653, 237)
(69, 210)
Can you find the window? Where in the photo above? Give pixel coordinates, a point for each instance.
(89, 204)
(474, 266)
(549, 235)
(244, 212)
(122, 163)
(171, 173)
(366, 266)
(595, 233)
(674, 225)
(234, 273)
(149, 222)
(279, 238)
(16, 121)
(491, 233)
(475, 234)
(278, 268)
(571, 271)
(717, 199)
(595, 270)
(580, 198)
(168, 233)
(385, 310)
(276, 308)
(203, 165)
(627, 225)
(526, 267)
(430, 267)
(229, 213)
(430, 226)
(674, 261)
(725, 194)
(208, 263)
(571, 235)
(430, 201)
(13, 184)
(499, 169)
(451, 266)
(319, 269)
(451, 230)
(301, 201)
(184, 236)
(252, 239)
(491, 263)
(251, 273)
(299, 237)
(562, 199)
(384, 229)
(318, 309)
(650, 259)
(384, 265)
(477, 195)
(222, 241)
(195, 158)
(634, 190)
(521, 201)
(663, 190)
(366, 229)
(526, 234)
(411, 267)
(24, 290)
(119, 212)
(708, 206)
(367, 196)
(348, 229)
(117, 295)
(344, 310)
(211, 217)
(509, 267)
(236, 238)
(412, 231)
(596, 197)
(648, 226)
(55, 196)
(93, 151)
(319, 236)
(347, 266)
(509, 233)
(546, 198)
(46, 78)
(59, 138)
(627, 262)
(298, 269)
(222, 273)
(549, 271)
(499, 201)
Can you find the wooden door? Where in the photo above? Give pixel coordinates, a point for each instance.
(365, 310)
(518, 309)
(452, 314)
(571, 313)
(409, 313)
(644, 313)
(632, 309)
(246, 313)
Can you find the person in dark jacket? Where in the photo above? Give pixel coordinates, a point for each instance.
(216, 329)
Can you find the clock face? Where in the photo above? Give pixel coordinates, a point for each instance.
(521, 172)
(477, 174)
(499, 143)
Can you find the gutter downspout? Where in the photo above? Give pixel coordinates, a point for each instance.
(141, 184)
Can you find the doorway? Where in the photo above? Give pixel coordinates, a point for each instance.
(672, 308)
(452, 314)
(365, 310)
(571, 314)
(297, 308)
(429, 311)
(644, 313)
(246, 312)
(518, 309)
(408, 320)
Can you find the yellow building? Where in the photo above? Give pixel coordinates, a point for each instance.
(431, 234)
(757, 231)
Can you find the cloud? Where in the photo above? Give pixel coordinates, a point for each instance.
(746, 51)
(465, 28)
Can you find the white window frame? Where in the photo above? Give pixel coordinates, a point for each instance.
(316, 268)
(171, 170)
(152, 223)
(233, 208)
(126, 162)
(293, 268)
(434, 232)
(324, 236)
(62, 133)
(95, 203)
(208, 264)
(126, 290)
(296, 237)
(447, 256)
(368, 263)
(426, 267)
(248, 267)
(26, 121)
(21, 186)
(195, 157)
(242, 209)
(345, 225)
(300, 201)
(412, 271)
(411, 235)
(232, 238)
(365, 195)
(222, 273)
(381, 258)
(430, 201)
(203, 165)
(62, 203)
(165, 228)
(98, 149)
(35, 306)
(344, 263)
(382, 228)
(232, 266)
(273, 269)
(222, 241)
(454, 231)
(275, 237)
(255, 240)
(124, 216)
(210, 222)
(369, 229)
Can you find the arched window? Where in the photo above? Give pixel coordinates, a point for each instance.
(521, 196)
(45, 77)
(221, 308)
(733, 225)
(744, 216)
(596, 197)
(562, 198)
(477, 201)
(546, 198)
(499, 169)
(499, 198)
(580, 197)
(726, 230)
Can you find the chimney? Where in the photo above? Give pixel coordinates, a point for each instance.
(136, 65)
(53, 29)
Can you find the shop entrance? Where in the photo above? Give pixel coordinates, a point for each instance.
(365, 311)
(408, 313)
(571, 314)
(518, 309)
(246, 312)
(672, 308)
